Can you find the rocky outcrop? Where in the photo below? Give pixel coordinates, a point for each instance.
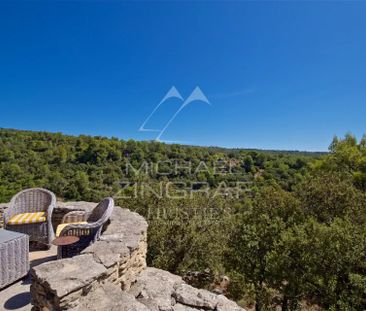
(109, 297)
(160, 290)
(155, 288)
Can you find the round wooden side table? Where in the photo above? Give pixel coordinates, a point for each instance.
(64, 241)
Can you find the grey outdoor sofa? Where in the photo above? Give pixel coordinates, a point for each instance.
(30, 212)
(85, 225)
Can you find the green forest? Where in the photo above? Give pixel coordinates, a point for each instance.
(288, 228)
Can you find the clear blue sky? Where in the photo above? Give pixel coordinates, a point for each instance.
(278, 75)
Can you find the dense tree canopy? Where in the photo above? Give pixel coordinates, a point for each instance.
(90, 168)
(294, 235)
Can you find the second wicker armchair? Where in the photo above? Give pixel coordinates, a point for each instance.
(85, 225)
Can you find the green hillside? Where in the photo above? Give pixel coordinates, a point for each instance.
(90, 168)
(288, 228)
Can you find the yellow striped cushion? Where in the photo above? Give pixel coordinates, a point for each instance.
(62, 226)
(28, 218)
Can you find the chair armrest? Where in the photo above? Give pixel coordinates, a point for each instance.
(75, 216)
(50, 209)
(8, 213)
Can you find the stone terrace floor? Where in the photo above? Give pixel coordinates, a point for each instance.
(17, 296)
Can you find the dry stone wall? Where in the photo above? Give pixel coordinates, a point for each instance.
(116, 259)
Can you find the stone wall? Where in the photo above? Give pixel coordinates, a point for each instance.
(116, 259)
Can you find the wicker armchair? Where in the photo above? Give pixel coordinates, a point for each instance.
(35, 201)
(85, 225)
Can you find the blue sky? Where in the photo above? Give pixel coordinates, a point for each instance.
(278, 75)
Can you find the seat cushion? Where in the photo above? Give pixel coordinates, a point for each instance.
(62, 226)
(27, 218)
